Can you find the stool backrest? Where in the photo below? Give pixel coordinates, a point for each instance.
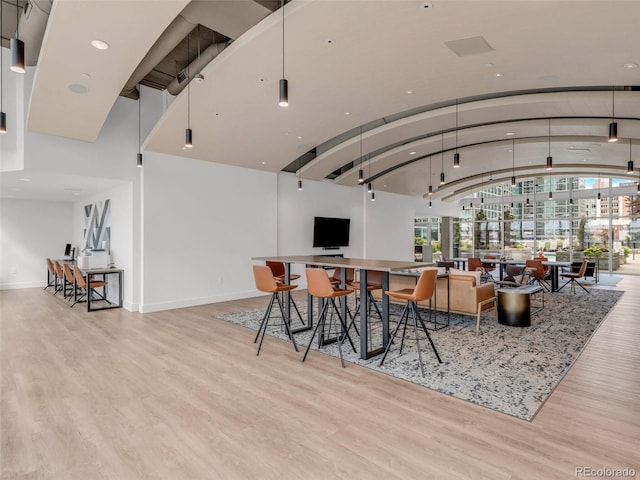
(68, 273)
(474, 264)
(50, 267)
(337, 274)
(276, 267)
(426, 284)
(537, 265)
(58, 269)
(263, 276)
(80, 280)
(318, 283)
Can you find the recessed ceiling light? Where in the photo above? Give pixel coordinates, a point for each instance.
(99, 44)
(498, 74)
(488, 65)
(347, 113)
(409, 92)
(426, 5)
(85, 75)
(77, 88)
(263, 163)
(412, 153)
(25, 179)
(630, 65)
(510, 134)
(299, 137)
(330, 41)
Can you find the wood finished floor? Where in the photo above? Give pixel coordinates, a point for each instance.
(181, 395)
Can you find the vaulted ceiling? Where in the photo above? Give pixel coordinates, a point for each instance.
(393, 87)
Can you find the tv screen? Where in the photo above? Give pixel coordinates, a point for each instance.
(67, 250)
(330, 232)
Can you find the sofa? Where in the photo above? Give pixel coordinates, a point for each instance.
(466, 294)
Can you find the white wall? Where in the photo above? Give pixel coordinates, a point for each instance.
(13, 104)
(123, 248)
(202, 223)
(30, 232)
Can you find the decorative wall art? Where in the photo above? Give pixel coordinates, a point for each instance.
(97, 226)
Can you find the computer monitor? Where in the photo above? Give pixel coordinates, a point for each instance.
(67, 250)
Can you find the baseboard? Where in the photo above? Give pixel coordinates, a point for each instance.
(17, 285)
(193, 302)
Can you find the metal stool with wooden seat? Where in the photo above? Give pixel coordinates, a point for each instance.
(423, 291)
(319, 285)
(266, 282)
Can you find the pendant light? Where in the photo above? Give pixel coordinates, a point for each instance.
(361, 171)
(513, 162)
(630, 162)
(456, 156)
(139, 156)
(482, 189)
(429, 203)
(17, 46)
(550, 187)
(3, 116)
(442, 182)
(549, 157)
(599, 196)
(188, 134)
(613, 126)
(370, 186)
(430, 177)
(284, 84)
(299, 174)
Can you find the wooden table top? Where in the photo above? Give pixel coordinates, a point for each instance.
(359, 263)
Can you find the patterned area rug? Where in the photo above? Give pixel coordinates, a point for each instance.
(508, 369)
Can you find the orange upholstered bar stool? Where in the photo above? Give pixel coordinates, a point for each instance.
(52, 280)
(277, 268)
(374, 282)
(423, 291)
(266, 282)
(319, 285)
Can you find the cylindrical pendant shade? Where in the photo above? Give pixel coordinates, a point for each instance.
(630, 167)
(430, 189)
(188, 138)
(442, 178)
(549, 163)
(613, 132)
(17, 55)
(3, 122)
(139, 161)
(373, 196)
(284, 93)
(369, 187)
(299, 184)
(429, 203)
(599, 195)
(456, 160)
(360, 176)
(550, 195)
(513, 181)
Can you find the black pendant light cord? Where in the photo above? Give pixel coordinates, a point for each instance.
(188, 84)
(282, 8)
(139, 135)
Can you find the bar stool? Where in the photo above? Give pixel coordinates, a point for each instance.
(266, 282)
(374, 282)
(423, 291)
(88, 289)
(319, 285)
(52, 280)
(277, 268)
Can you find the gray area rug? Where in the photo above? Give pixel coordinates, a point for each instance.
(508, 369)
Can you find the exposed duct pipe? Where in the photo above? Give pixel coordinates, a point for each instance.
(170, 39)
(33, 23)
(181, 81)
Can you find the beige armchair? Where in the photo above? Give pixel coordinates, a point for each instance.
(466, 294)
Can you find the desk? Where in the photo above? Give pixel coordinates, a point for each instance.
(90, 273)
(364, 265)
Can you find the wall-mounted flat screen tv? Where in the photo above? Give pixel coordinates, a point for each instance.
(330, 232)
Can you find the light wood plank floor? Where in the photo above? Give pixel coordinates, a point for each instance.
(182, 395)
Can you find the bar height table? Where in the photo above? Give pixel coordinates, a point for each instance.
(364, 265)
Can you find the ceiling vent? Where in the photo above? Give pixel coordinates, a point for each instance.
(469, 46)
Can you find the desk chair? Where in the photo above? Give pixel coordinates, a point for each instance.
(423, 291)
(52, 278)
(319, 285)
(538, 275)
(62, 283)
(68, 275)
(266, 282)
(90, 289)
(573, 278)
(475, 265)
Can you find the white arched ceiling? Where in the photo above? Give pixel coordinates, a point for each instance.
(510, 65)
